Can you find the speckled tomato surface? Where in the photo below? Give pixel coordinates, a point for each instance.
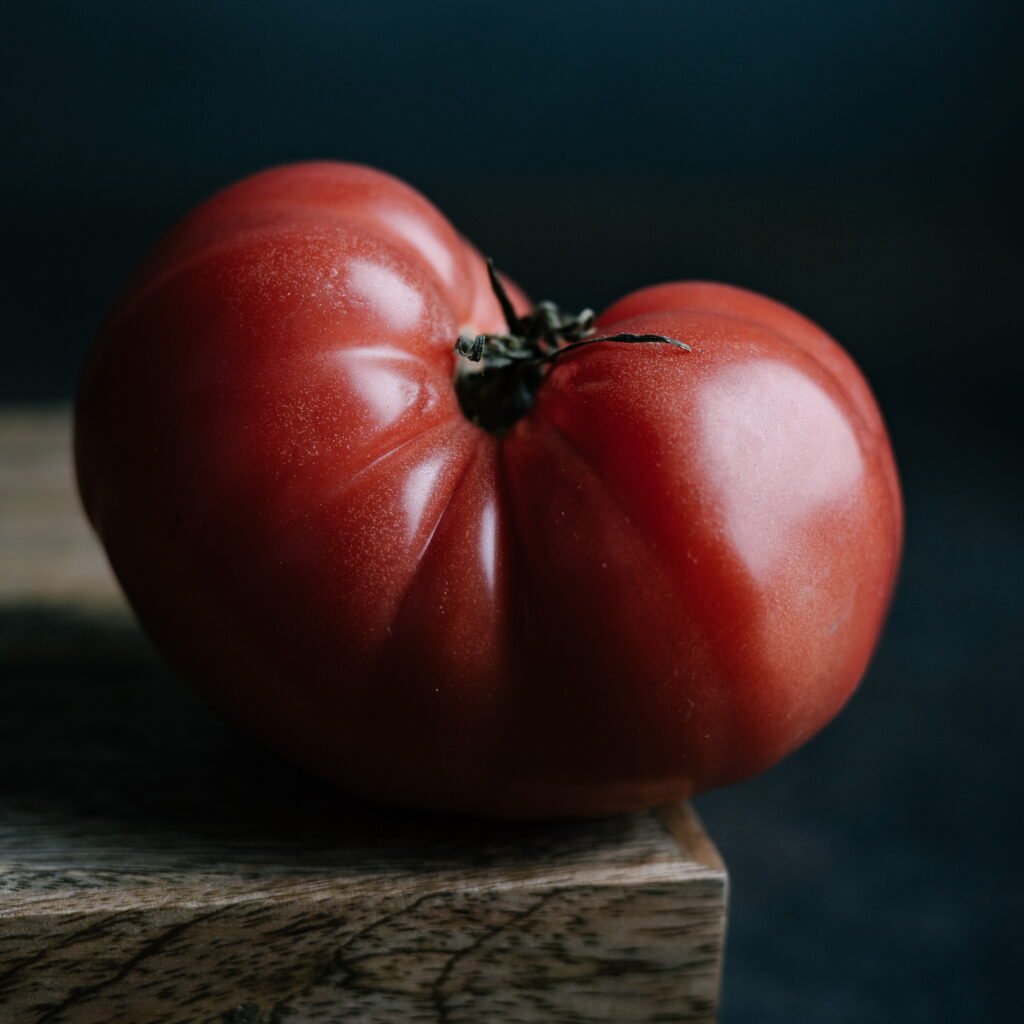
(667, 573)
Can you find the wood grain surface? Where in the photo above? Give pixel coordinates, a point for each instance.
(157, 866)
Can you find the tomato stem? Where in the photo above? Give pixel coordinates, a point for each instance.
(513, 364)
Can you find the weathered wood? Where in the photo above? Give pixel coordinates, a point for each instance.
(156, 866)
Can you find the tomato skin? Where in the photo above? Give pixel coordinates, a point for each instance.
(665, 577)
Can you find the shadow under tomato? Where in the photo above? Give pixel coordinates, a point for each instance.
(105, 754)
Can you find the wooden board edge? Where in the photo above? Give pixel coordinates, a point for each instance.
(683, 824)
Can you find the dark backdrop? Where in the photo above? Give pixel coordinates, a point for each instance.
(855, 158)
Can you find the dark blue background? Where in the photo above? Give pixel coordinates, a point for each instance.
(857, 159)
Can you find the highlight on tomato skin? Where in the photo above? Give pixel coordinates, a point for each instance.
(448, 549)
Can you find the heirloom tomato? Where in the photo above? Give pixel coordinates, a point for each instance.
(449, 550)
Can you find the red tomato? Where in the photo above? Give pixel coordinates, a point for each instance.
(667, 574)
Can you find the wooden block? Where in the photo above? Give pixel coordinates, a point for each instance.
(156, 866)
